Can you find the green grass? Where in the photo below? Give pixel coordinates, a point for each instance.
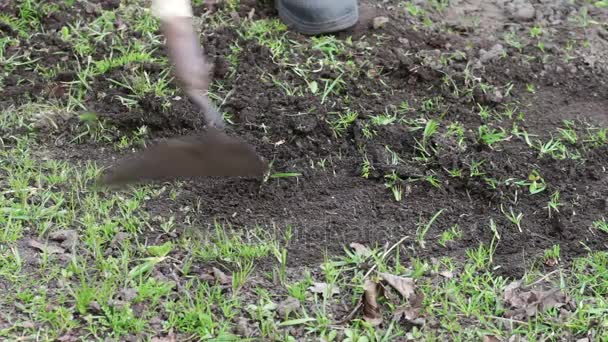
(143, 262)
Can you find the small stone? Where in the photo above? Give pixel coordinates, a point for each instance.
(379, 22)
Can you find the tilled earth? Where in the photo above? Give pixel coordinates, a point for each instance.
(472, 57)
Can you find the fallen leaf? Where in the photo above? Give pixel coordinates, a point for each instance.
(491, 338)
(67, 338)
(517, 338)
(526, 303)
(289, 305)
(447, 274)
(405, 286)
(360, 250)
(371, 309)
(27, 325)
(407, 312)
(168, 338)
(221, 277)
(325, 289)
(551, 262)
(45, 248)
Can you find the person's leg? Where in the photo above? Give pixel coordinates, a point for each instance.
(318, 16)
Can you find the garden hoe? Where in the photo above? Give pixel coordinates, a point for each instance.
(211, 153)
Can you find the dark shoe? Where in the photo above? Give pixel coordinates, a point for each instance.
(318, 16)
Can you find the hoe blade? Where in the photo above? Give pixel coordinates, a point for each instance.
(209, 154)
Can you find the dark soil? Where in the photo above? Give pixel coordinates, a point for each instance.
(332, 206)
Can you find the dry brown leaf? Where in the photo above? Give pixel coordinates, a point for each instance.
(491, 338)
(168, 338)
(221, 277)
(360, 250)
(50, 249)
(447, 274)
(526, 303)
(405, 286)
(551, 262)
(371, 309)
(325, 289)
(517, 338)
(407, 312)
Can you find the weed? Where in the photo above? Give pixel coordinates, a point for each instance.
(531, 88)
(569, 134)
(551, 256)
(394, 183)
(514, 218)
(601, 225)
(490, 136)
(422, 229)
(537, 183)
(383, 119)
(423, 146)
(343, 121)
(536, 31)
(554, 204)
(512, 39)
(582, 18)
(366, 167)
(449, 235)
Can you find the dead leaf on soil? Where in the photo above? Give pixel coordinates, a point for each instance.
(517, 338)
(360, 250)
(551, 262)
(45, 248)
(168, 338)
(67, 338)
(371, 309)
(491, 338)
(405, 286)
(527, 303)
(447, 274)
(222, 277)
(409, 314)
(325, 289)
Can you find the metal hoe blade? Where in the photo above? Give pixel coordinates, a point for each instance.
(211, 153)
